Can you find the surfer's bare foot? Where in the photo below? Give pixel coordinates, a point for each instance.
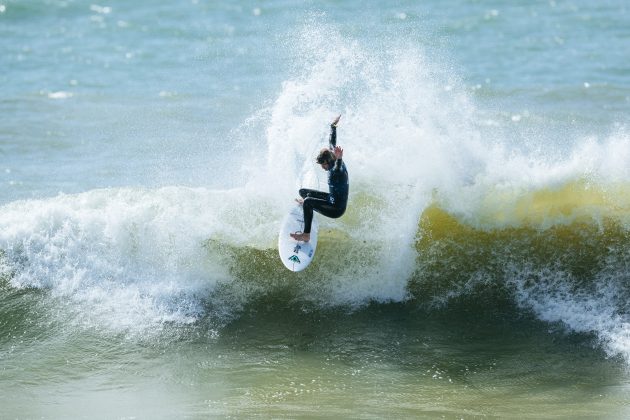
(300, 201)
(303, 237)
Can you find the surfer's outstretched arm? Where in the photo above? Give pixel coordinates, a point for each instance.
(332, 140)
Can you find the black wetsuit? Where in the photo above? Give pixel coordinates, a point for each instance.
(333, 203)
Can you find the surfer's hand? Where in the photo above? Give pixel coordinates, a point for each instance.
(335, 121)
(299, 201)
(338, 152)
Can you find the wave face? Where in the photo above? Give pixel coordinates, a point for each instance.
(448, 206)
(135, 260)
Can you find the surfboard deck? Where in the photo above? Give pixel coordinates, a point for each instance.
(296, 255)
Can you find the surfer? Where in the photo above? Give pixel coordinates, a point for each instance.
(333, 203)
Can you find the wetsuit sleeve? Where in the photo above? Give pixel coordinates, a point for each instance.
(332, 140)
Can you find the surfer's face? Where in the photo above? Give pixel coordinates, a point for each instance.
(325, 166)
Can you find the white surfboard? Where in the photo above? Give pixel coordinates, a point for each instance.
(296, 255)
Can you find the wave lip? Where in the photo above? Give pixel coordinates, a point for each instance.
(559, 253)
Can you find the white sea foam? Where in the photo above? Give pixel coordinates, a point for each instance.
(134, 256)
(600, 309)
(60, 95)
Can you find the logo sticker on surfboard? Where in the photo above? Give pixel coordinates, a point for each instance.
(294, 258)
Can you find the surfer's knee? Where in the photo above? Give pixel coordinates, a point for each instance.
(337, 214)
(307, 203)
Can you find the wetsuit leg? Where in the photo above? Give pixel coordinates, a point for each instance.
(322, 207)
(305, 192)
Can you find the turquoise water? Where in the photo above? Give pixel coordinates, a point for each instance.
(148, 153)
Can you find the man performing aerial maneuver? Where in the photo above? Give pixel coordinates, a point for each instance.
(330, 204)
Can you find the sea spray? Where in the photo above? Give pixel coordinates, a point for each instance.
(396, 142)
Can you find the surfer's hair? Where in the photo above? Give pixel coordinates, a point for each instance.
(325, 156)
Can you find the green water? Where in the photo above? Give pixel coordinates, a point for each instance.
(275, 361)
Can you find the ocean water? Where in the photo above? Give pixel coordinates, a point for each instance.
(148, 152)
